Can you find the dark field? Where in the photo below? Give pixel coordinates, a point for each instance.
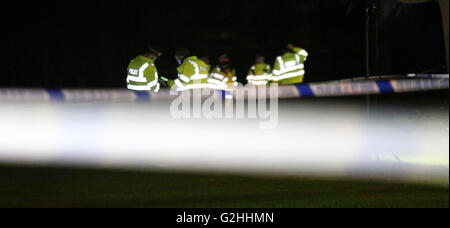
(74, 187)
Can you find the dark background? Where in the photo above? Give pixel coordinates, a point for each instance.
(88, 44)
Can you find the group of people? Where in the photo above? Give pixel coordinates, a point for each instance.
(196, 73)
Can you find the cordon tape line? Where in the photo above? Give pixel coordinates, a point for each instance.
(408, 83)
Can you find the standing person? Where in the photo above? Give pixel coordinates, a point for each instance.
(289, 68)
(192, 72)
(142, 72)
(223, 75)
(260, 73)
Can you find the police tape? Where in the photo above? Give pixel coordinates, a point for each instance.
(323, 89)
(370, 87)
(396, 76)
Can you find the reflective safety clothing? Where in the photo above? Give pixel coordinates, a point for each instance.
(192, 74)
(289, 68)
(259, 74)
(142, 75)
(220, 79)
(209, 68)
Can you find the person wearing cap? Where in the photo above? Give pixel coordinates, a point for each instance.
(260, 73)
(142, 72)
(289, 68)
(192, 72)
(224, 75)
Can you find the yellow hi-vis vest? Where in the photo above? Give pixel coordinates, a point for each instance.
(192, 74)
(221, 80)
(142, 75)
(259, 74)
(289, 68)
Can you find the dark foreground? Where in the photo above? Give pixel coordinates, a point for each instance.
(76, 187)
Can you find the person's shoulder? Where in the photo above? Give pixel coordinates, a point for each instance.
(142, 60)
(150, 62)
(285, 55)
(290, 54)
(135, 59)
(185, 62)
(195, 59)
(201, 62)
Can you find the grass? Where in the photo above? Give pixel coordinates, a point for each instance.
(76, 187)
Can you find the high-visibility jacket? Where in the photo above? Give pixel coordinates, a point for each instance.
(220, 79)
(142, 75)
(209, 68)
(192, 74)
(259, 74)
(289, 68)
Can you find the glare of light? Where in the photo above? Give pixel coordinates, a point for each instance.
(311, 139)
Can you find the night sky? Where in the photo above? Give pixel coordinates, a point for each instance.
(88, 44)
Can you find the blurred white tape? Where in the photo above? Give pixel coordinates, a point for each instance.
(311, 139)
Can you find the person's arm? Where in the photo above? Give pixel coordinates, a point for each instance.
(234, 78)
(163, 81)
(151, 73)
(302, 52)
(208, 68)
(182, 80)
(268, 69)
(276, 69)
(171, 83)
(251, 74)
(216, 74)
(216, 79)
(186, 70)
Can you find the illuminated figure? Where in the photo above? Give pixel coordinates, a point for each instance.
(260, 73)
(224, 75)
(142, 72)
(192, 72)
(289, 68)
